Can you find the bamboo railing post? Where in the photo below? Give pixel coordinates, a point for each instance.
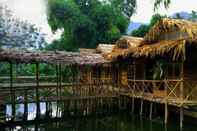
(12, 92)
(37, 93)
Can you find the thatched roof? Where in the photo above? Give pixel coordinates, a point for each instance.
(52, 57)
(152, 45)
(173, 25)
(126, 42)
(104, 48)
(123, 45)
(86, 50)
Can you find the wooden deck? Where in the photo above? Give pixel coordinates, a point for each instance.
(155, 98)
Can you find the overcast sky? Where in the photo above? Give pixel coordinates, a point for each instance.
(34, 11)
(145, 9)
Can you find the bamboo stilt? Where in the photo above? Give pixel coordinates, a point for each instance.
(181, 118)
(141, 107)
(25, 106)
(166, 113)
(37, 92)
(151, 110)
(12, 92)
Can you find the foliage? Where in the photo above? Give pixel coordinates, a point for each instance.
(158, 3)
(143, 29)
(87, 22)
(18, 34)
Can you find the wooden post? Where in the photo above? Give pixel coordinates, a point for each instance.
(37, 92)
(12, 92)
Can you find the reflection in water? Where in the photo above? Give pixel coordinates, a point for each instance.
(31, 111)
(118, 122)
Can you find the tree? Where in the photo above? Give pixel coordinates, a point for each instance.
(158, 3)
(88, 22)
(18, 34)
(143, 29)
(193, 16)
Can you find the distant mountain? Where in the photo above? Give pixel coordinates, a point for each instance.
(133, 26)
(185, 15)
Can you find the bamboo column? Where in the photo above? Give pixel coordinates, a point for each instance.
(37, 92)
(60, 81)
(166, 103)
(57, 88)
(12, 92)
(151, 110)
(181, 95)
(133, 90)
(182, 84)
(25, 105)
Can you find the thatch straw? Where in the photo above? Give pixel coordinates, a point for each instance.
(104, 48)
(126, 42)
(51, 57)
(153, 45)
(169, 25)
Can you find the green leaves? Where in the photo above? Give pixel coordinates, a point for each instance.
(143, 29)
(86, 22)
(158, 3)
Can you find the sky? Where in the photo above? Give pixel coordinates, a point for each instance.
(34, 11)
(145, 9)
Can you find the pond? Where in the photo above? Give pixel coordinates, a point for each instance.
(117, 122)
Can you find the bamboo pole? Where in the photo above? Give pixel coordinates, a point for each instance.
(133, 90)
(166, 103)
(151, 110)
(12, 92)
(182, 85)
(60, 81)
(37, 92)
(25, 105)
(141, 107)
